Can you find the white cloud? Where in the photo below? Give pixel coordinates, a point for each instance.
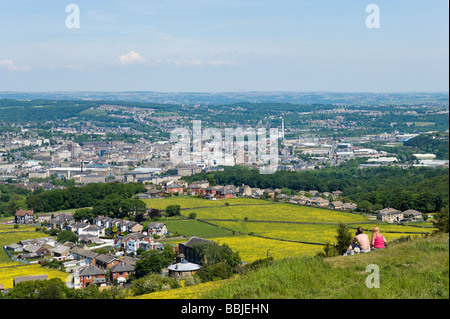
(9, 65)
(131, 58)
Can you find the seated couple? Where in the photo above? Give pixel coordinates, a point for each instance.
(361, 242)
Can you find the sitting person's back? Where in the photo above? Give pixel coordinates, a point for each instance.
(378, 239)
(363, 242)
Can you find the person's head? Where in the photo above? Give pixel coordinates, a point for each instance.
(359, 231)
(376, 232)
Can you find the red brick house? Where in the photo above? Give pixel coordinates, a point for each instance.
(121, 271)
(225, 193)
(174, 188)
(105, 261)
(24, 216)
(91, 275)
(210, 191)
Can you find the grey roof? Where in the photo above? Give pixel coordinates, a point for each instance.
(105, 258)
(195, 240)
(61, 249)
(156, 225)
(83, 252)
(91, 271)
(122, 267)
(412, 212)
(130, 260)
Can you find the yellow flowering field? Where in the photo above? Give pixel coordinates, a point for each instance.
(251, 248)
(10, 228)
(7, 274)
(279, 212)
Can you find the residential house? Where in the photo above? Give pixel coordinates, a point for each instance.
(187, 249)
(349, 206)
(174, 188)
(122, 241)
(91, 275)
(77, 228)
(60, 221)
(195, 189)
(90, 239)
(412, 215)
(300, 199)
(105, 261)
(257, 192)
(318, 201)
(245, 191)
(121, 271)
(337, 194)
(157, 229)
(80, 253)
(390, 215)
(91, 230)
(145, 243)
(133, 227)
(338, 205)
(269, 192)
(225, 193)
(61, 252)
(24, 216)
(210, 190)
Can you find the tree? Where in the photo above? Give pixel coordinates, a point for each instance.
(40, 289)
(343, 238)
(152, 263)
(66, 235)
(192, 216)
(328, 251)
(211, 179)
(173, 210)
(441, 220)
(218, 261)
(365, 206)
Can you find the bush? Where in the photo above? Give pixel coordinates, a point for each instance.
(344, 238)
(191, 281)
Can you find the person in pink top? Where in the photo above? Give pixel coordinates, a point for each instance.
(378, 239)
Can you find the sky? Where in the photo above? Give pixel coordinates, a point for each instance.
(224, 46)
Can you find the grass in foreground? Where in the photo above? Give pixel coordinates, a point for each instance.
(414, 270)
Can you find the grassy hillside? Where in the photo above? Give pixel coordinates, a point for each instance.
(412, 270)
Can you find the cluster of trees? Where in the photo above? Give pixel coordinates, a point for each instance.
(56, 289)
(421, 188)
(84, 196)
(435, 143)
(12, 198)
(218, 261)
(152, 261)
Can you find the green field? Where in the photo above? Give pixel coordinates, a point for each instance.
(195, 228)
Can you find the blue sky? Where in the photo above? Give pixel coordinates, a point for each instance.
(224, 45)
